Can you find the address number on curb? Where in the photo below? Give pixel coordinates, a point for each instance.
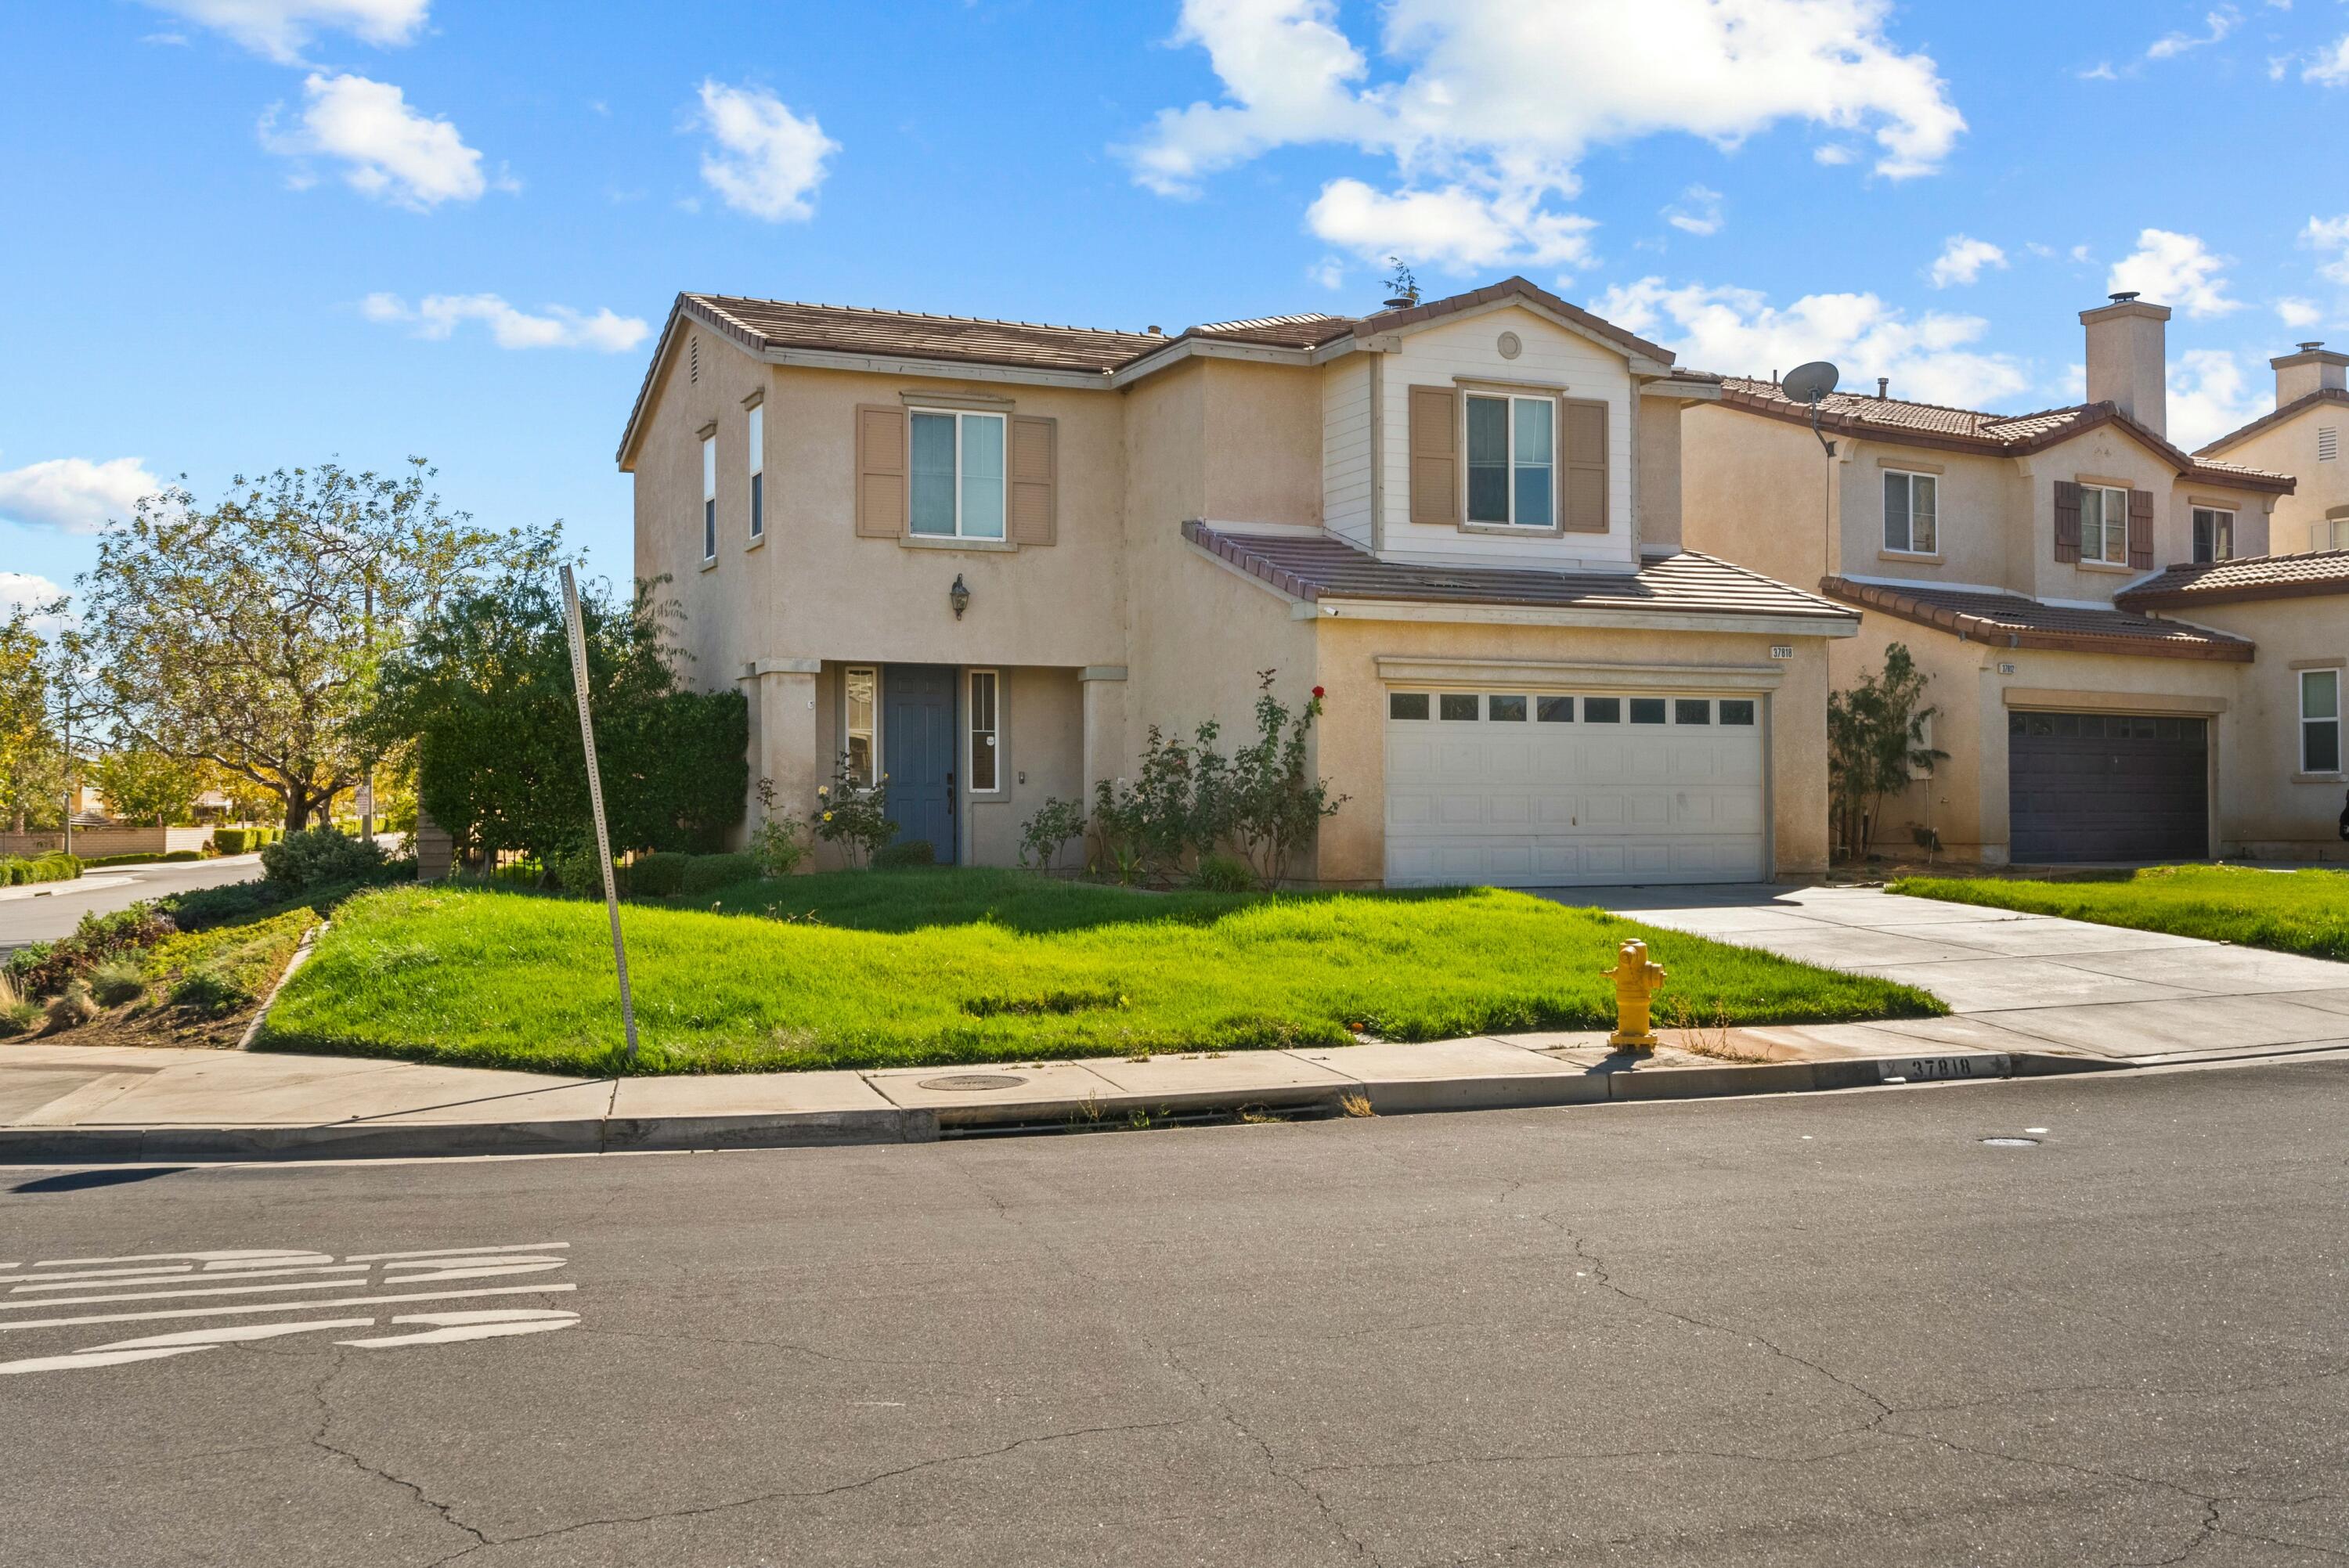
(1930, 1069)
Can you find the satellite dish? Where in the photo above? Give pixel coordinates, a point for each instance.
(1810, 383)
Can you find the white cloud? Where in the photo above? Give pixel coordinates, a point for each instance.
(1697, 211)
(281, 28)
(391, 151)
(2329, 234)
(23, 589)
(767, 161)
(1961, 261)
(2174, 269)
(2101, 71)
(438, 316)
(2293, 311)
(1454, 227)
(1489, 104)
(2218, 23)
(1738, 331)
(1329, 271)
(2329, 67)
(74, 495)
(2210, 395)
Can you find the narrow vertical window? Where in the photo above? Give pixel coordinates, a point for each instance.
(1511, 460)
(758, 444)
(2214, 534)
(2320, 721)
(2104, 525)
(1911, 513)
(985, 772)
(709, 498)
(857, 727)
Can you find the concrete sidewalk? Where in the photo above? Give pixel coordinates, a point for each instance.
(106, 1103)
(2027, 982)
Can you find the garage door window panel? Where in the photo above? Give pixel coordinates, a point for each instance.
(1458, 706)
(1407, 705)
(1505, 709)
(1647, 710)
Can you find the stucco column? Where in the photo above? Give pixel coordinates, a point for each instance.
(1104, 745)
(1990, 781)
(786, 738)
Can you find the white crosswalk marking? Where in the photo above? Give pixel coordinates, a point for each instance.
(297, 1289)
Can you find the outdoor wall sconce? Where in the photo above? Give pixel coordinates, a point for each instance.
(958, 596)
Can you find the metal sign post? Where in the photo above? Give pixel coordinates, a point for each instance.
(595, 798)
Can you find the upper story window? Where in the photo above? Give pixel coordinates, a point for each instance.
(1912, 507)
(2214, 534)
(958, 474)
(2332, 534)
(756, 432)
(1511, 460)
(2104, 525)
(710, 497)
(2320, 721)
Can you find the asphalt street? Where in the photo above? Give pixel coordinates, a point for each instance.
(53, 909)
(1826, 1329)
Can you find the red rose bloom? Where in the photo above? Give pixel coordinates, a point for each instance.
(1317, 691)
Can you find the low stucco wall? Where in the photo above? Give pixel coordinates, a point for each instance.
(1350, 749)
(92, 842)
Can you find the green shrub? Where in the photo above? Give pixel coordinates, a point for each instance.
(657, 876)
(210, 992)
(118, 980)
(1223, 874)
(1053, 826)
(905, 852)
(781, 841)
(319, 855)
(235, 840)
(53, 866)
(19, 1018)
(72, 1006)
(60, 964)
(137, 859)
(577, 871)
(707, 873)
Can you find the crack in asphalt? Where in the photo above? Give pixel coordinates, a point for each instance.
(318, 1439)
(1230, 1418)
(786, 1494)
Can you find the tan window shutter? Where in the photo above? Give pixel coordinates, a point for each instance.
(880, 470)
(2140, 529)
(2067, 520)
(1435, 456)
(1583, 481)
(1034, 443)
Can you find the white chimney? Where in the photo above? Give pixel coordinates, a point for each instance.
(2312, 369)
(2128, 358)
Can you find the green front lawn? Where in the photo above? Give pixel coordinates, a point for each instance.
(897, 968)
(2292, 912)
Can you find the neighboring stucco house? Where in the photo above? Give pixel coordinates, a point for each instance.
(2087, 712)
(2303, 438)
(986, 557)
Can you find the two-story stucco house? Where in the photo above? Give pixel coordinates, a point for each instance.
(2303, 438)
(2089, 713)
(986, 557)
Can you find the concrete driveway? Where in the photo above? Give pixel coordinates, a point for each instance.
(2024, 982)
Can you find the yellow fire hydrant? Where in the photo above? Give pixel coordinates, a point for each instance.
(1637, 981)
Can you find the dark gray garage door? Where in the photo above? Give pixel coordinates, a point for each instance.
(2108, 787)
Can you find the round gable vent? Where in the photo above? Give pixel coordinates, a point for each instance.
(1511, 346)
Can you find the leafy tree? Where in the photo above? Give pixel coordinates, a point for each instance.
(30, 778)
(147, 788)
(483, 690)
(250, 634)
(1876, 740)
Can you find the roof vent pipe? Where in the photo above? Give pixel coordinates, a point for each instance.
(1401, 302)
(2123, 297)
(1883, 388)
(1154, 331)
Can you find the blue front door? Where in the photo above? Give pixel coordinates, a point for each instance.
(918, 753)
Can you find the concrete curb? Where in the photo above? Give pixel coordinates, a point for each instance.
(834, 1129)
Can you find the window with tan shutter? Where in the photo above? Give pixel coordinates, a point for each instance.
(1586, 459)
(2104, 525)
(1435, 441)
(1512, 459)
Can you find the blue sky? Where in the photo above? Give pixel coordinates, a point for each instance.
(246, 234)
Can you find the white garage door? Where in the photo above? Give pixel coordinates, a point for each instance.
(1550, 790)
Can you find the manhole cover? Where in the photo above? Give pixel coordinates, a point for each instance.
(974, 1081)
(2012, 1143)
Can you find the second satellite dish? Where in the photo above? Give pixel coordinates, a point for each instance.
(1810, 383)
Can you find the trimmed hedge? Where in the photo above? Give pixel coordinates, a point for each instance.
(657, 876)
(707, 873)
(147, 859)
(55, 866)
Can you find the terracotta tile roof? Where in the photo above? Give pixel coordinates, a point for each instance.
(1971, 430)
(1316, 567)
(2251, 577)
(2012, 621)
(2307, 400)
(849, 329)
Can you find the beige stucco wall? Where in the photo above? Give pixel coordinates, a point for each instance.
(2322, 492)
(1041, 718)
(2110, 455)
(2276, 810)
(1657, 513)
(1353, 732)
(1753, 490)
